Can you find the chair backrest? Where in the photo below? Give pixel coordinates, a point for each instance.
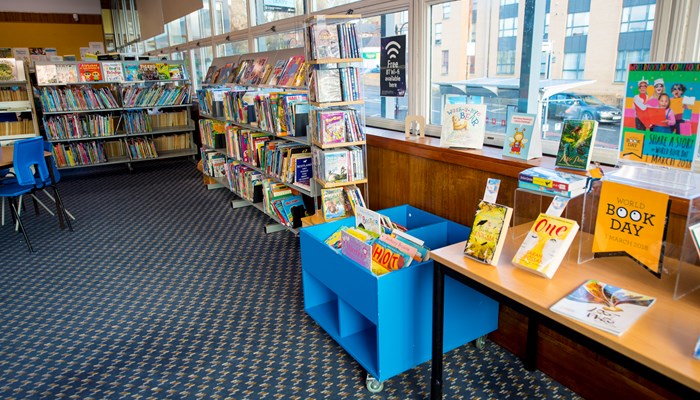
(29, 153)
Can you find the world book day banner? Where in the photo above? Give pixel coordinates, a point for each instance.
(662, 109)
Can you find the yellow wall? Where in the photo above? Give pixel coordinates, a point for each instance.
(66, 38)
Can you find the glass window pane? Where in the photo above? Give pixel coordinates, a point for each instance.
(371, 30)
(277, 41)
(162, 40)
(202, 58)
(199, 23)
(274, 10)
(233, 48)
(323, 4)
(230, 15)
(176, 31)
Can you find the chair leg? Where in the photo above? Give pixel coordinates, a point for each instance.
(54, 200)
(41, 203)
(59, 205)
(19, 212)
(21, 226)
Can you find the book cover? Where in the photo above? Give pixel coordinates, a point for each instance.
(148, 71)
(132, 72)
(656, 130)
(66, 73)
(488, 232)
(604, 306)
(335, 165)
(290, 70)
(163, 71)
(355, 248)
(335, 239)
(463, 125)
(368, 219)
(332, 126)
(225, 73)
(326, 86)
(22, 54)
(546, 244)
(694, 231)
(8, 70)
(522, 137)
(303, 170)
(631, 222)
(277, 72)
(325, 41)
(696, 352)
(90, 72)
(333, 204)
(258, 70)
(576, 143)
(175, 71)
(387, 258)
(46, 74)
(551, 190)
(113, 71)
(208, 76)
(554, 179)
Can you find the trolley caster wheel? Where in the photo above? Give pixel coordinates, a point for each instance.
(373, 385)
(480, 342)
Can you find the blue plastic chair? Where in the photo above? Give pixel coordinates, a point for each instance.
(28, 156)
(47, 182)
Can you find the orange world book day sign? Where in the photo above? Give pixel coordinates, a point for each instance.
(631, 222)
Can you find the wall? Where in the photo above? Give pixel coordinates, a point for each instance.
(52, 6)
(66, 38)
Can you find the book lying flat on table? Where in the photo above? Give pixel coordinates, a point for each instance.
(604, 306)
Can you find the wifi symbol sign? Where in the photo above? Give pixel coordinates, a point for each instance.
(392, 49)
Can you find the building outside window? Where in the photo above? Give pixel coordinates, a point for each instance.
(230, 15)
(635, 35)
(446, 11)
(437, 34)
(233, 48)
(445, 62)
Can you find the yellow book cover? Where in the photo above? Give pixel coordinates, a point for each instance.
(546, 244)
(488, 232)
(631, 222)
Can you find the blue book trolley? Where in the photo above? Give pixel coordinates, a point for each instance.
(384, 322)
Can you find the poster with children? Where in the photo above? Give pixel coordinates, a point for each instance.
(662, 108)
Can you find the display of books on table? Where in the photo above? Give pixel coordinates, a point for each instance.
(604, 306)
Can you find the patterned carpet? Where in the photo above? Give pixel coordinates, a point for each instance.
(164, 291)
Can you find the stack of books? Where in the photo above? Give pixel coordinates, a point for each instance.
(555, 182)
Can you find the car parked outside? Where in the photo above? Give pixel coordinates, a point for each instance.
(581, 106)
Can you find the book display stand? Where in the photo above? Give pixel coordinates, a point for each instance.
(115, 111)
(16, 97)
(679, 262)
(252, 132)
(384, 321)
(336, 117)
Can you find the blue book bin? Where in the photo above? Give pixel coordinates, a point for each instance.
(384, 322)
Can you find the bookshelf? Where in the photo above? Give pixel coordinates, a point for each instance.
(17, 110)
(336, 116)
(115, 112)
(253, 127)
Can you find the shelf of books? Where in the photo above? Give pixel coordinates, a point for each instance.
(254, 111)
(16, 102)
(336, 115)
(111, 112)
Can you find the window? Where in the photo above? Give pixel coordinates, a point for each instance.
(199, 23)
(625, 58)
(437, 35)
(265, 11)
(324, 4)
(506, 62)
(230, 15)
(446, 10)
(202, 58)
(638, 18)
(445, 61)
(574, 64)
(233, 48)
(381, 108)
(279, 41)
(177, 31)
(577, 24)
(162, 40)
(507, 27)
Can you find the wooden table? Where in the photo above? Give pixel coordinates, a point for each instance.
(7, 156)
(659, 345)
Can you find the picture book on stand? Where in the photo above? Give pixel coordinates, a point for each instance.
(112, 71)
(90, 72)
(661, 114)
(8, 70)
(604, 306)
(488, 232)
(463, 125)
(333, 203)
(46, 74)
(324, 41)
(576, 143)
(632, 222)
(522, 137)
(546, 244)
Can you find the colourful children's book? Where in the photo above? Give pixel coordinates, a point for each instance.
(631, 222)
(132, 72)
(175, 71)
(546, 244)
(576, 143)
(488, 232)
(333, 203)
(551, 178)
(334, 240)
(65, 73)
(148, 71)
(163, 71)
(332, 126)
(387, 258)
(463, 125)
(8, 69)
(604, 306)
(368, 219)
(522, 137)
(90, 72)
(113, 71)
(46, 74)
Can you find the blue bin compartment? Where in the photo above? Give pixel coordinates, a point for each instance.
(384, 322)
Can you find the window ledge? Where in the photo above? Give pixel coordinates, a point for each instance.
(487, 159)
